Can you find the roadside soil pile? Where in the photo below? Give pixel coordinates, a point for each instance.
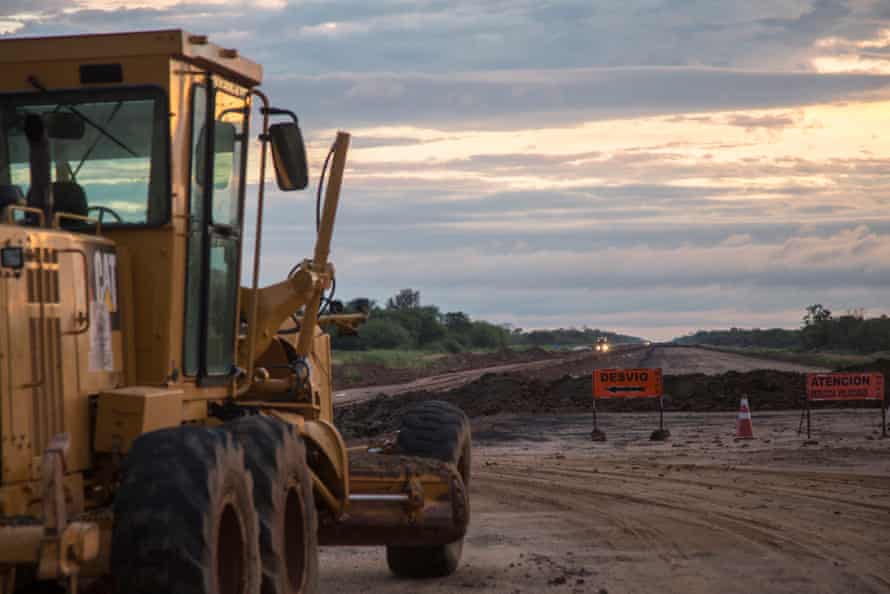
(882, 365)
(515, 393)
(357, 375)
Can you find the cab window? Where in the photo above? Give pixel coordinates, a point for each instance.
(118, 163)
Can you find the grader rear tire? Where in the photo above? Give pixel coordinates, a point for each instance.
(439, 430)
(282, 491)
(184, 516)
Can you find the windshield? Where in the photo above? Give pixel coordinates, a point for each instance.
(119, 160)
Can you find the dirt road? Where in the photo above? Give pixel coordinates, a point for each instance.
(447, 381)
(702, 513)
(673, 360)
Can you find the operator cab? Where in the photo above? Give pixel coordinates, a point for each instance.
(142, 139)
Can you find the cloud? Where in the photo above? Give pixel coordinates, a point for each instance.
(502, 99)
(649, 166)
(767, 121)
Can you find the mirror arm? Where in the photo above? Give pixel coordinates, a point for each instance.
(273, 111)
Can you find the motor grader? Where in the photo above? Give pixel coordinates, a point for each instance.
(166, 428)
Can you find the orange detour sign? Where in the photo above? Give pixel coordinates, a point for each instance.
(845, 386)
(744, 429)
(627, 383)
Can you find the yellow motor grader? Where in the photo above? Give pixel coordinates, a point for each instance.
(164, 427)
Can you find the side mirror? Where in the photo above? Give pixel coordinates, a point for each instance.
(63, 125)
(289, 156)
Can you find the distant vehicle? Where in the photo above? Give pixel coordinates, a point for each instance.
(602, 345)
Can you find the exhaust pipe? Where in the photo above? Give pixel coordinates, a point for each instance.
(40, 194)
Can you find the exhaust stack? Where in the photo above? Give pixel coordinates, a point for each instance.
(40, 193)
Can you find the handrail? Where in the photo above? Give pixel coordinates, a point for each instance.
(12, 208)
(86, 288)
(57, 220)
(261, 192)
(42, 329)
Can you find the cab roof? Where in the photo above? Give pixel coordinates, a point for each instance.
(174, 43)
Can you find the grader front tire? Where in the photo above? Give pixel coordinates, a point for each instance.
(282, 490)
(441, 431)
(184, 516)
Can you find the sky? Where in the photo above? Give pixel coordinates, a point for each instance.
(652, 167)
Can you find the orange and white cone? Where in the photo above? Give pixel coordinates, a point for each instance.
(743, 428)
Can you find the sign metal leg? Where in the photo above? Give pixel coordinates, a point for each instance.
(660, 434)
(884, 417)
(596, 434)
(660, 414)
(808, 420)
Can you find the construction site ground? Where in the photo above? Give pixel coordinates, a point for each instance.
(699, 513)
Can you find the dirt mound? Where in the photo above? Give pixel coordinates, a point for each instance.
(514, 393)
(882, 365)
(489, 395)
(765, 389)
(353, 375)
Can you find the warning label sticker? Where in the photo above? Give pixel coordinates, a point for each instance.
(101, 349)
(104, 314)
(845, 386)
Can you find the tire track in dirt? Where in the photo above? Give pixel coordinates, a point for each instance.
(776, 534)
(761, 490)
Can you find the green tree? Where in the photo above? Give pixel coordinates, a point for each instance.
(816, 314)
(487, 336)
(382, 334)
(458, 321)
(404, 299)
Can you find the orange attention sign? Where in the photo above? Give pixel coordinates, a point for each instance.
(627, 383)
(845, 386)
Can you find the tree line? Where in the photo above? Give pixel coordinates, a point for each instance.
(820, 330)
(404, 323)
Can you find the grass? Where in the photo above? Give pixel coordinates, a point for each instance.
(390, 358)
(831, 360)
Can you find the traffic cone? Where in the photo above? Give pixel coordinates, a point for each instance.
(744, 429)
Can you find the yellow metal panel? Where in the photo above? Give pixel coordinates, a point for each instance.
(116, 47)
(157, 299)
(46, 355)
(64, 73)
(18, 373)
(321, 374)
(125, 414)
(23, 499)
(86, 47)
